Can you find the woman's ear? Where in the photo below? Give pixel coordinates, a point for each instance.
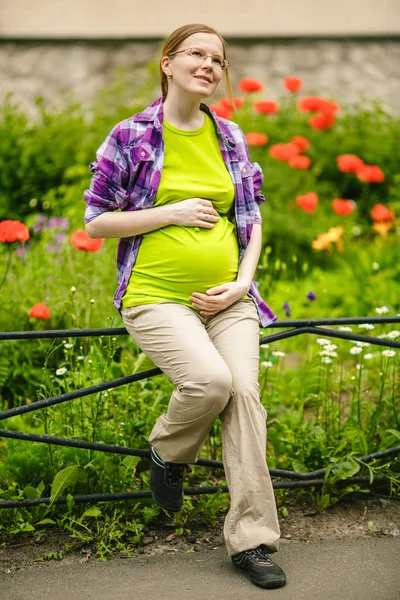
(165, 66)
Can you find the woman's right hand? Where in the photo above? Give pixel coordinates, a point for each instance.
(194, 212)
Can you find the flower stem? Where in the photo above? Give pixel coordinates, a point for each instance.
(8, 265)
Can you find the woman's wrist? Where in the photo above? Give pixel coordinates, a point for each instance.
(245, 284)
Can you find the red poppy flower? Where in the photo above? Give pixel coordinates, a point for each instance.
(256, 139)
(266, 107)
(370, 174)
(222, 111)
(381, 213)
(316, 103)
(301, 142)
(292, 84)
(237, 102)
(249, 85)
(283, 151)
(322, 121)
(13, 231)
(40, 311)
(82, 241)
(308, 202)
(349, 163)
(300, 162)
(343, 207)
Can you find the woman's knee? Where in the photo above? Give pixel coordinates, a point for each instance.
(212, 389)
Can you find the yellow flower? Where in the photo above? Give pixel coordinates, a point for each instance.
(382, 228)
(332, 236)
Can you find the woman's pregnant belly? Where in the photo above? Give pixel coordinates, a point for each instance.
(175, 261)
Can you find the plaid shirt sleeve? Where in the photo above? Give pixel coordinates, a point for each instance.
(258, 178)
(108, 188)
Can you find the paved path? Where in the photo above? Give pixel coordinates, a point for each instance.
(354, 569)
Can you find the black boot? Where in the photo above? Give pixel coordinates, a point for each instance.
(166, 482)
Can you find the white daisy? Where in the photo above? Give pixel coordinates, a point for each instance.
(344, 328)
(382, 310)
(79, 358)
(328, 353)
(267, 364)
(330, 347)
(392, 335)
(322, 341)
(278, 353)
(366, 326)
(326, 360)
(368, 356)
(73, 290)
(362, 344)
(68, 346)
(389, 353)
(355, 350)
(61, 371)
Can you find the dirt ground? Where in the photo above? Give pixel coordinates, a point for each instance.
(358, 517)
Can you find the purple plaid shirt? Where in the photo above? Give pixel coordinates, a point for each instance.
(127, 173)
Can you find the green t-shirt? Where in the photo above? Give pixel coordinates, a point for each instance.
(175, 261)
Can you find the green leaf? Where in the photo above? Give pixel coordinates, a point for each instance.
(298, 466)
(70, 502)
(46, 522)
(362, 440)
(143, 363)
(64, 479)
(92, 512)
(27, 527)
(130, 462)
(323, 502)
(30, 492)
(345, 470)
(394, 432)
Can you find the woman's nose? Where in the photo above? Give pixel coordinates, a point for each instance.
(206, 63)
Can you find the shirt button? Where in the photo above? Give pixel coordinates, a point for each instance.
(143, 154)
(243, 170)
(197, 229)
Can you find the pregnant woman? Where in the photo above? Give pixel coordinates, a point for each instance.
(175, 184)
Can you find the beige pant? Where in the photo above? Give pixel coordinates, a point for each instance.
(214, 361)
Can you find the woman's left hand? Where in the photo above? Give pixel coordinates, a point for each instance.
(219, 297)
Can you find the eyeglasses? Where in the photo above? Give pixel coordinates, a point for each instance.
(201, 55)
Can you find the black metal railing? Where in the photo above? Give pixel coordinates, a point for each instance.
(299, 327)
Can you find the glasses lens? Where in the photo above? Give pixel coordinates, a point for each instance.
(217, 61)
(197, 53)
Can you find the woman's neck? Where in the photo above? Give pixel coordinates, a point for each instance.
(182, 113)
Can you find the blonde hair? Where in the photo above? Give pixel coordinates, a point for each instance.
(175, 40)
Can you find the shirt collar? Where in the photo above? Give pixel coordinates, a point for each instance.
(155, 114)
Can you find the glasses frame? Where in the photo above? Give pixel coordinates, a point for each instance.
(187, 51)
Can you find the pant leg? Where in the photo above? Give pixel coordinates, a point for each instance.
(252, 519)
(174, 337)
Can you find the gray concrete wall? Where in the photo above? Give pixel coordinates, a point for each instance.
(344, 69)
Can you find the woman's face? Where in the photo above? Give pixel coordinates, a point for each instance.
(190, 74)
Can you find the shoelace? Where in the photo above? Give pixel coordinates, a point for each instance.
(174, 472)
(259, 554)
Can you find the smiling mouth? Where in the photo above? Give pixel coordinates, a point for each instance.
(203, 78)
